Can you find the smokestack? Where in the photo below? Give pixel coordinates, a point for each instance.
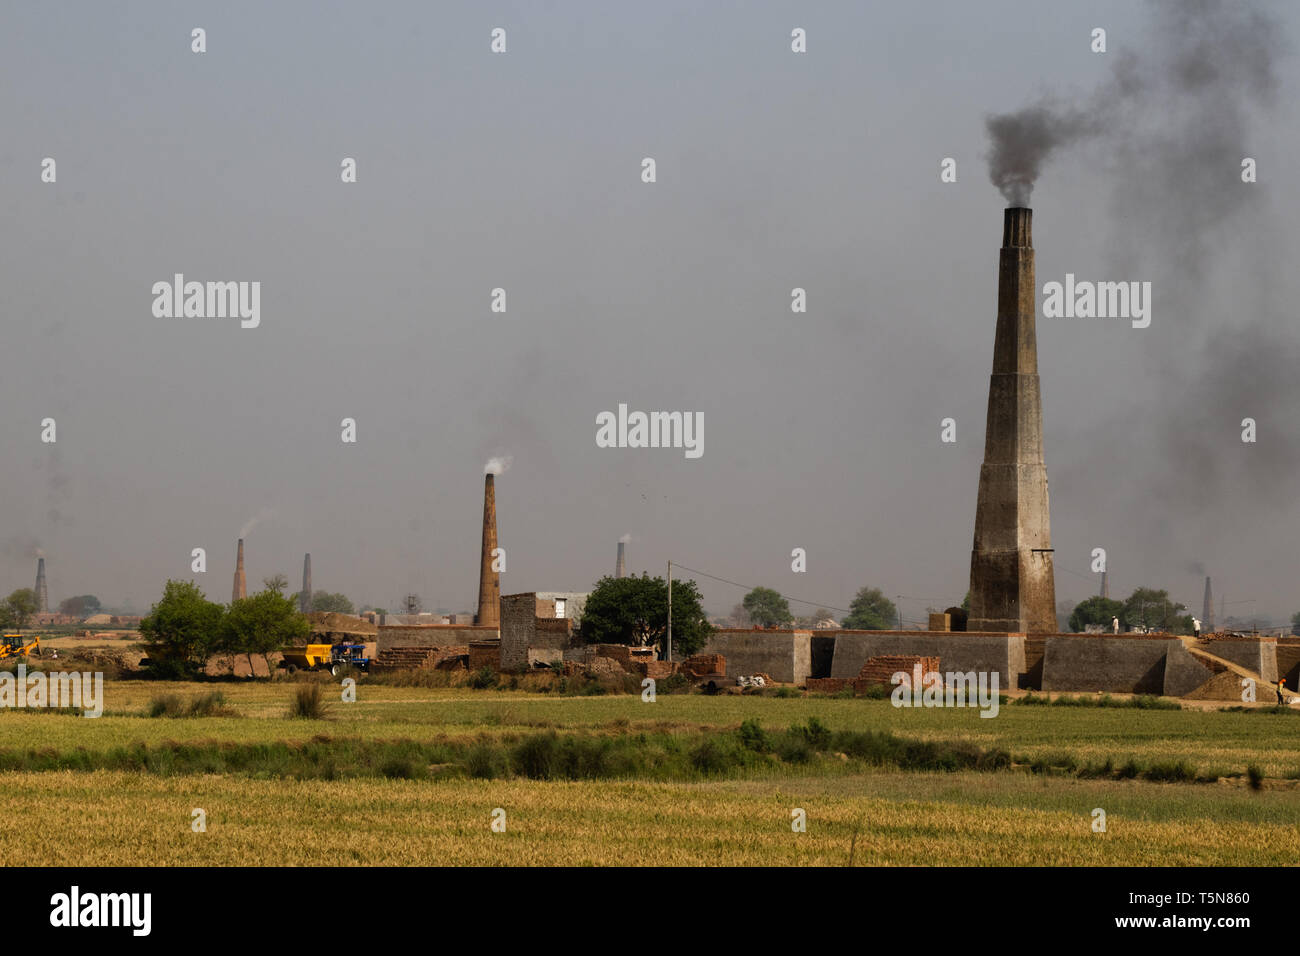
(304, 599)
(1105, 585)
(241, 585)
(1012, 583)
(489, 581)
(42, 596)
(620, 568)
(1207, 611)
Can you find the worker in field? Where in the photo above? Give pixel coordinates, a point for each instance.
(1196, 627)
(1280, 698)
(1114, 624)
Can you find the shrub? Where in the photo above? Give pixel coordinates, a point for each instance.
(166, 705)
(211, 704)
(673, 684)
(713, 756)
(307, 702)
(537, 756)
(792, 747)
(1256, 777)
(483, 679)
(485, 762)
(1171, 771)
(785, 691)
(753, 736)
(816, 733)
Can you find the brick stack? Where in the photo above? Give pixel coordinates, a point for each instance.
(657, 670)
(401, 658)
(701, 664)
(880, 670)
(827, 685)
(484, 654)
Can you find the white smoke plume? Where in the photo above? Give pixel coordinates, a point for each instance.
(254, 521)
(498, 465)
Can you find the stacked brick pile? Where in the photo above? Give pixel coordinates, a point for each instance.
(657, 670)
(484, 654)
(880, 670)
(827, 685)
(877, 670)
(701, 664)
(401, 658)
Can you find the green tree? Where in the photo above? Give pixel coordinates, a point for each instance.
(634, 611)
(965, 602)
(1097, 610)
(264, 622)
(184, 628)
(18, 608)
(83, 605)
(1153, 610)
(331, 603)
(871, 611)
(767, 608)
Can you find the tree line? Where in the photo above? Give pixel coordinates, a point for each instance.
(185, 630)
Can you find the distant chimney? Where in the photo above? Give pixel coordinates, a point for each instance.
(1012, 584)
(304, 599)
(489, 581)
(1207, 611)
(42, 596)
(1105, 586)
(620, 569)
(241, 584)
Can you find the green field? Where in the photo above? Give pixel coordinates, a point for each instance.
(412, 776)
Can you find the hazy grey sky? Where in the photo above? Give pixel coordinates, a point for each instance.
(522, 170)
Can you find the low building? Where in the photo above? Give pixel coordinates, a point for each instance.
(539, 626)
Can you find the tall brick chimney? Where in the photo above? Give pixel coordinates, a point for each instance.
(1207, 611)
(304, 599)
(489, 581)
(42, 595)
(620, 568)
(1012, 584)
(241, 585)
(1105, 585)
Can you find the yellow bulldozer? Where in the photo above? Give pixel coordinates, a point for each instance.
(15, 645)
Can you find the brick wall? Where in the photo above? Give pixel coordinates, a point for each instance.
(484, 654)
(518, 627)
(429, 635)
(881, 669)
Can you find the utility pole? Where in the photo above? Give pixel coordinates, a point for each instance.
(668, 655)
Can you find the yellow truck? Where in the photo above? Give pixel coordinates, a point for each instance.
(331, 657)
(13, 645)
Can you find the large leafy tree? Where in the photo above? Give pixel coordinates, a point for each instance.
(634, 611)
(264, 622)
(1097, 610)
(767, 608)
(83, 605)
(332, 603)
(17, 610)
(183, 628)
(871, 611)
(1152, 609)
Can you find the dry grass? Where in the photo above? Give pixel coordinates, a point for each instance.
(1005, 817)
(128, 819)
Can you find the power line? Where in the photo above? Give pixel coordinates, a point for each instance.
(747, 587)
